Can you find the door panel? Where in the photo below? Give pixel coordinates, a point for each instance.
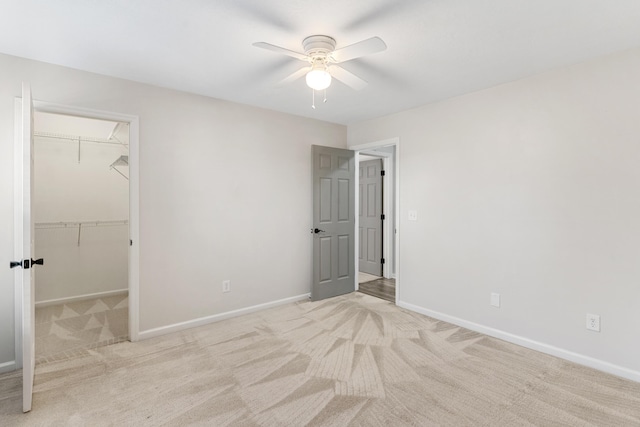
(344, 199)
(325, 259)
(24, 233)
(344, 243)
(325, 200)
(370, 215)
(372, 238)
(372, 200)
(334, 217)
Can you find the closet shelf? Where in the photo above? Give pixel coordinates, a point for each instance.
(120, 161)
(78, 139)
(79, 225)
(73, 224)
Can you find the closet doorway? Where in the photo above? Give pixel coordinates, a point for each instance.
(81, 215)
(377, 221)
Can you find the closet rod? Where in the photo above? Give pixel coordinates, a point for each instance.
(78, 224)
(78, 138)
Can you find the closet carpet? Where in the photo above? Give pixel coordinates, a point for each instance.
(70, 329)
(353, 360)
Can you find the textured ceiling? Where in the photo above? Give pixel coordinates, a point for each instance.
(436, 48)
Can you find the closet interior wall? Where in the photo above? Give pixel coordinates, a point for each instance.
(81, 208)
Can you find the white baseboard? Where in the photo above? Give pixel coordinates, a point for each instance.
(150, 333)
(81, 297)
(580, 359)
(7, 367)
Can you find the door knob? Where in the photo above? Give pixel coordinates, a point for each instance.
(26, 264)
(317, 230)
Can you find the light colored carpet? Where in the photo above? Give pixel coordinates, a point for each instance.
(69, 329)
(353, 360)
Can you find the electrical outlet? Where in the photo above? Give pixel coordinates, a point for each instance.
(495, 300)
(226, 286)
(593, 322)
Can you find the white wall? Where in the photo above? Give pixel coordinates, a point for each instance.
(70, 191)
(532, 190)
(209, 211)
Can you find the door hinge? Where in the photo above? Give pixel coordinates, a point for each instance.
(382, 217)
(382, 261)
(382, 173)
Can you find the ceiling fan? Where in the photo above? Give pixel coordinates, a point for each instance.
(322, 57)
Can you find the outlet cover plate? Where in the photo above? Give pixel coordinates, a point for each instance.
(226, 286)
(593, 322)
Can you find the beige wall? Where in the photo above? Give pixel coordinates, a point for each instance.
(531, 190)
(224, 193)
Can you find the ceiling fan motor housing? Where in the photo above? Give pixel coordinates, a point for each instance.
(318, 47)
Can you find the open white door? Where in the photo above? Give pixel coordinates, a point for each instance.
(23, 236)
(333, 222)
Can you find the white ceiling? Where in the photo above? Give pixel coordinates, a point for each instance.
(436, 48)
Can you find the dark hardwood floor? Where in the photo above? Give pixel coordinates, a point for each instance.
(380, 288)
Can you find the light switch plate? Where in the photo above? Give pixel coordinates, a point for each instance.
(413, 215)
(495, 300)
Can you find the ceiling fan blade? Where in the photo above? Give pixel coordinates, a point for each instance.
(356, 50)
(347, 78)
(278, 49)
(294, 76)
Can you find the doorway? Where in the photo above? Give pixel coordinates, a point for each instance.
(377, 184)
(24, 226)
(81, 228)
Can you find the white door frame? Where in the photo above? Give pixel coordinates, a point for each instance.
(134, 212)
(388, 233)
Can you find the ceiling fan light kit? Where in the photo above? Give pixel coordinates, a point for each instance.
(320, 52)
(318, 78)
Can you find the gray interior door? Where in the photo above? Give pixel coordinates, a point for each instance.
(370, 211)
(333, 222)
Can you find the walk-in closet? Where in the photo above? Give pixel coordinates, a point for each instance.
(81, 215)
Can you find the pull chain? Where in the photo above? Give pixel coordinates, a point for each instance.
(313, 98)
